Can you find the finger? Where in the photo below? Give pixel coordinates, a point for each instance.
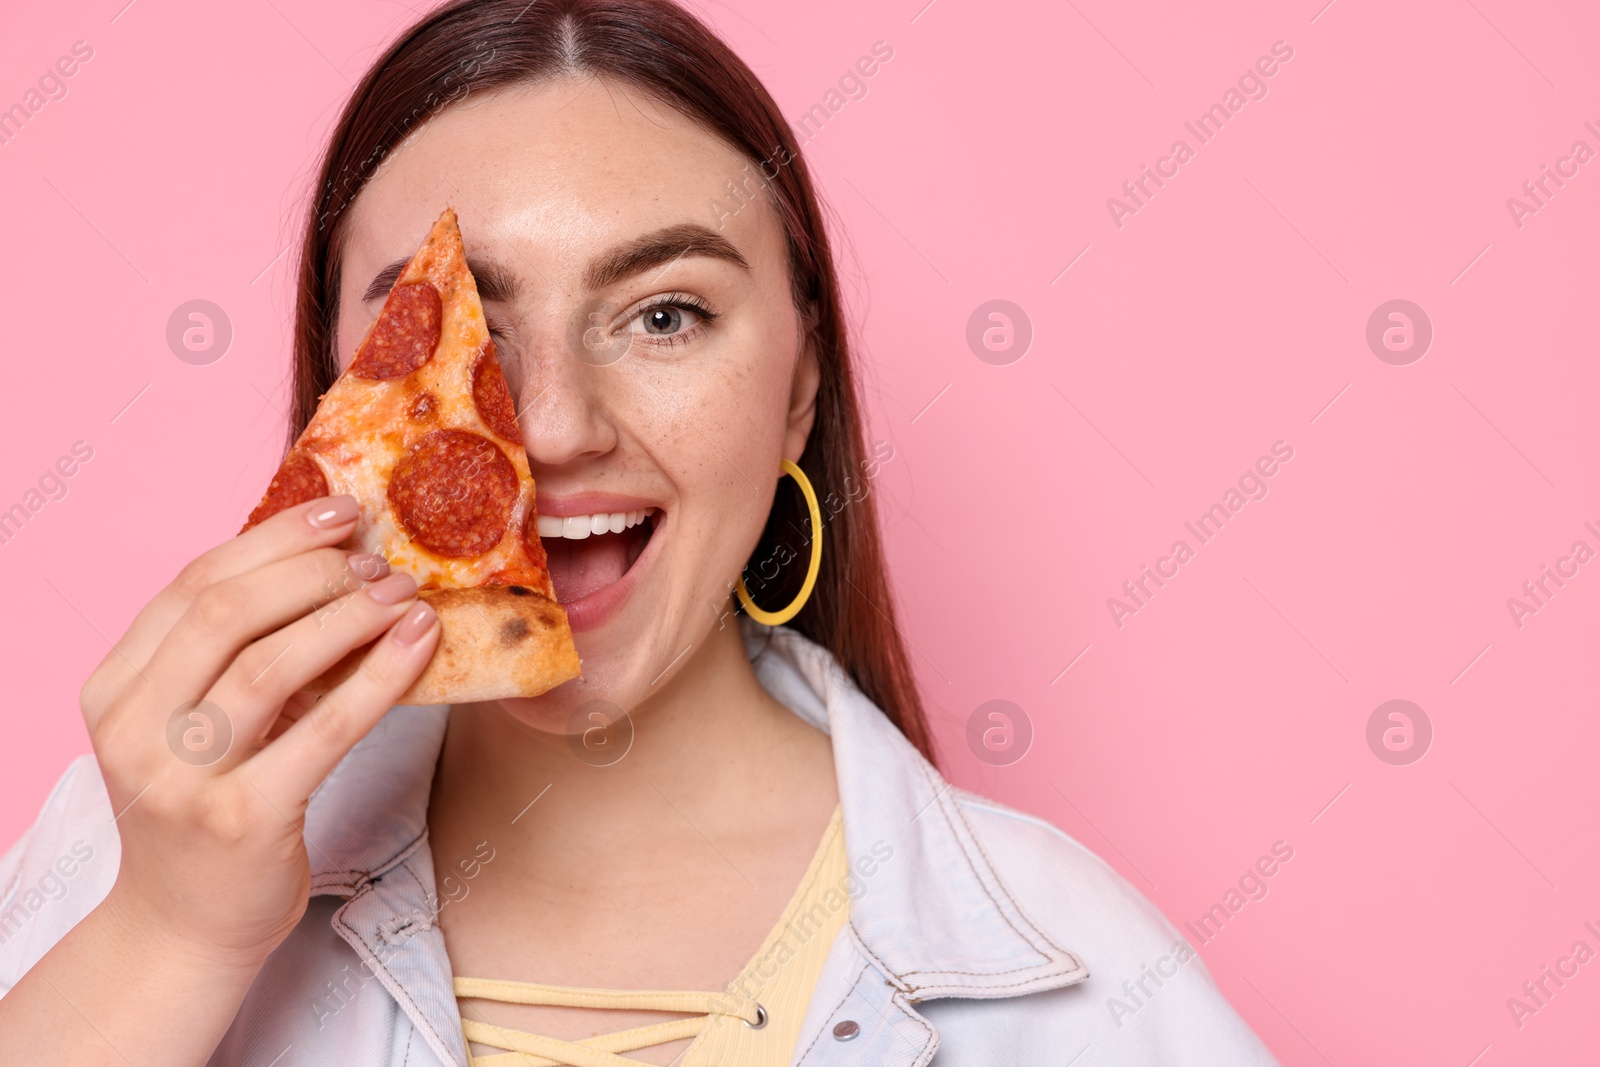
(314, 524)
(303, 528)
(291, 712)
(227, 616)
(265, 675)
(296, 763)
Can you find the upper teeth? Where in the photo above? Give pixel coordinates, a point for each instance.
(577, 527)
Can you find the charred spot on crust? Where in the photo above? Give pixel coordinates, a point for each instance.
(513, 631)
(517, 590)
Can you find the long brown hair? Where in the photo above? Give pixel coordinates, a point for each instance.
(472, 46)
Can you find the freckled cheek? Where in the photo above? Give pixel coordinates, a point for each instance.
(717, 448)
(713, 457)
(718, 514)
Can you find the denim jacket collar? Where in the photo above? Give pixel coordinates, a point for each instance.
(935, 921)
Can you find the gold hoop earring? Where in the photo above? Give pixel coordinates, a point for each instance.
(778, 618)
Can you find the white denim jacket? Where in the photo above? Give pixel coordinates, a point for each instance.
(976, 935)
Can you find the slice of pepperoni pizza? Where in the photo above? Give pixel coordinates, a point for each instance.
(422, 431)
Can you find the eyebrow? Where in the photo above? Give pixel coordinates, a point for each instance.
(658, 248)
(494, 282)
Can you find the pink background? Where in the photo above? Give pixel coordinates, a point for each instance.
(1222, 317)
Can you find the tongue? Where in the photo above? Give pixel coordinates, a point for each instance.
(578, 568)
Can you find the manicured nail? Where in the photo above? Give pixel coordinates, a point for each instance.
(393, 589)
(368, 566)
(415, 626)
(334, 511)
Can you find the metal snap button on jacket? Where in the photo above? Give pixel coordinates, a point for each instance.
(846, 1030)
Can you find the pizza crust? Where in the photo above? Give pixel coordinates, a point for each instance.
(495, 642)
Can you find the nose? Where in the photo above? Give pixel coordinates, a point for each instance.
(562, 405)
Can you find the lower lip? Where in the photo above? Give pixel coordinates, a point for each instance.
(599, 607)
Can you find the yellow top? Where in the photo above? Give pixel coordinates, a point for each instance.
(755, 1022)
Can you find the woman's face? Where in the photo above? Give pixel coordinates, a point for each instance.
(649, 338)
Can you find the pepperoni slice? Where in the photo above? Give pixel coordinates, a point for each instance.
(493, 396)
(532, 573)
(298, 480)
(405, 335)
(454, 493)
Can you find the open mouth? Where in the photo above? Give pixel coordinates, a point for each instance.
(588, 553)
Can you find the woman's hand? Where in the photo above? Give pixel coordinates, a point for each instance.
(208, 753)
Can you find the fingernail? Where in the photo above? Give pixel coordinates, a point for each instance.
(335, 511)
(415, 626)
(393, 589)
(369, 567)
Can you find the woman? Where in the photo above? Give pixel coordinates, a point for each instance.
(757, 863)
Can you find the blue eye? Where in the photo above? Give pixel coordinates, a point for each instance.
(672, 319)
(663, 320)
